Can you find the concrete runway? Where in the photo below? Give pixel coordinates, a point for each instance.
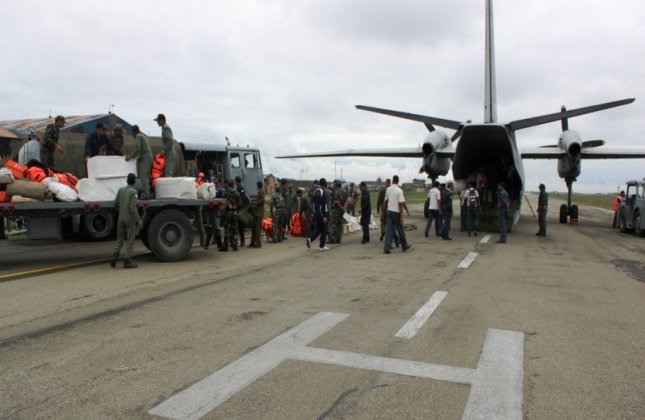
(538, 328)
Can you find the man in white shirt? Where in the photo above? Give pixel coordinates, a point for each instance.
(434, 209)
(395, 203)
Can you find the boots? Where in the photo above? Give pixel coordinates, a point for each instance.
(113, 260)
(129, 264)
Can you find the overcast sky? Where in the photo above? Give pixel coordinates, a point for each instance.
(284, 76)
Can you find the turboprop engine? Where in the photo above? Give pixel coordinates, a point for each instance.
(433, 164)
(571, 144)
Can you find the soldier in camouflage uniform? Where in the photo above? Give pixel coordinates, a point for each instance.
(231, 217)
(543, 206)
(143, 155)
(337, 211)
(117, 139)
(50, 141)
(127, 223)
(278, 214)
(168, 147)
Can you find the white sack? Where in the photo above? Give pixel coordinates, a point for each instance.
(6, 177)
(180, 187)
(99, 189)
(62, 192)
(100, 167)
(352, 222)
(206, 190)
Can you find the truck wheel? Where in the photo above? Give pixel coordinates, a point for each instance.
(144, 238)
(622, 223)
(170, 235)
(98, 226)
(638, 228)
(564, 213)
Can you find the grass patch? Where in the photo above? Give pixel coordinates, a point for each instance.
(603, 201)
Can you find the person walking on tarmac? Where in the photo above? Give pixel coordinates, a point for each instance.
(366, 212)
(543, 204)
(168, 147)
(619, 199)
(244, 201)
(258, 204)
(143, 155)
(473, 206)
(320, 207)
(127, 223)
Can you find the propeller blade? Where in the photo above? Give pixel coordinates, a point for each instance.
(565, 120)
(592, 143)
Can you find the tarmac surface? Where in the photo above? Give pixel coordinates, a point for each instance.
(538, 328)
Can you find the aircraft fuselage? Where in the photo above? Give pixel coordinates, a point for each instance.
(488, 154)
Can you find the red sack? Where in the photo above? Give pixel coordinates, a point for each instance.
(158, 166)
(267, 227)
(296, 225)
(4, 198)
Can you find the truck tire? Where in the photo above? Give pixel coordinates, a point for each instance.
(98, 226)
(638, 227)
(170, 235)
(564, 213)
(622, 223)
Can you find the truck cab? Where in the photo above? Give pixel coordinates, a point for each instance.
(224, 163)
(632, 210)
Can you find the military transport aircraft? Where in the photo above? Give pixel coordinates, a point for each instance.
(489, 150)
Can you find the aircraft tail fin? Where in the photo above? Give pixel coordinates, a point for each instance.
(490, 105)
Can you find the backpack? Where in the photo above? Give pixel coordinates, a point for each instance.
(472, 199)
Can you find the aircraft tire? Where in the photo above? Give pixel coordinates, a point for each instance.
(564, 213)
(98, 226)
(574, 212)
(170, 235)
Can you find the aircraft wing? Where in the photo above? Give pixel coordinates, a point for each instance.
(557, 116)
(613, 153)
(429, 121)
(400, 152)
(554, 152)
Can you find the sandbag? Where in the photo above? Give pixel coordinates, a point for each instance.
(352, 222)
(100, 167)
(60, 191)
(29, 189)
(179, 187)
(6, 177)
(99, 189)
(20, 199)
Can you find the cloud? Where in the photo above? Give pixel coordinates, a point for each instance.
(285, 76)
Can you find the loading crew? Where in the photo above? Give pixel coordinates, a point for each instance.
(50, 141)
(127, 223)
(143, 155)
(168, 148)
(619, 199)
(98, 139)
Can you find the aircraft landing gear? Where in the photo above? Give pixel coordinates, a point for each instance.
(568, 211)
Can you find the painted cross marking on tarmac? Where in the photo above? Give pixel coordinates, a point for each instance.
(496, 383)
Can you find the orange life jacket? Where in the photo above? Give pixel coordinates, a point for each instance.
(18, 170)
(200, 180)
(158, 166)
(35, 174)
(617, 203)
(4, 197)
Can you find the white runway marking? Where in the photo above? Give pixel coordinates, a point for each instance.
(415, 323)
(465, 263)
(496, 384)
(485, 239)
